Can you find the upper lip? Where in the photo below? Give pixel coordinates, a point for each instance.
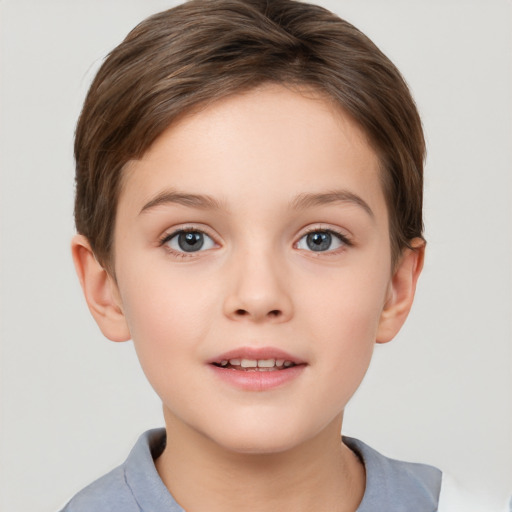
(256, 353)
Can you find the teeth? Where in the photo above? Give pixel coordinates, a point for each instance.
(257, 363)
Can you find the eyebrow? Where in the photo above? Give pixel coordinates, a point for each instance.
(204, 202)
(304, 201)
(301, 202)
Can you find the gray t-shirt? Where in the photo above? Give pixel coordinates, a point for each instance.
(135, 486)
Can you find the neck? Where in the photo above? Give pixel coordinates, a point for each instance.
(321, 474)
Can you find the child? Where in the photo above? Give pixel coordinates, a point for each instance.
(249, 210)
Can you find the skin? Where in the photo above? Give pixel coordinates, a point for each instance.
(256, 284)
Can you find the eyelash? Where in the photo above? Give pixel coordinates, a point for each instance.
(342, 238)
(167, 237)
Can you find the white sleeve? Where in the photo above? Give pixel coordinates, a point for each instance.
(455, 498)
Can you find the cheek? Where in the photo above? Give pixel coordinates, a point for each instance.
(166, 322)
(346, 304)
(343, 314)
(166, 314)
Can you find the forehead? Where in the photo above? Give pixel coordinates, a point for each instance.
(271, 143)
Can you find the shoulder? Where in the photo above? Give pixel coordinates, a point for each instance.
(131, 487)
(396, 485)
(110, 493)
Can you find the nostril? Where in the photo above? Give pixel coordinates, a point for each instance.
(274, 313)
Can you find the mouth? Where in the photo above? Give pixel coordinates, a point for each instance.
(257, 369)
(262, 359)
(255, 365)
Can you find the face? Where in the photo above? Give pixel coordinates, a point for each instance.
(252, 262)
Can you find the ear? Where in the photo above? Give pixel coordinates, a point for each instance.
(100, 291)
(401, 291)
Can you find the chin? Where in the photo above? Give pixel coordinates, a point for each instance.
(251, 446)
(262, 438)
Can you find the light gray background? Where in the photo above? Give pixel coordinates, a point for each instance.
(72, 403)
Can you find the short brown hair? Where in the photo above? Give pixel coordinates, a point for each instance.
(204, 50)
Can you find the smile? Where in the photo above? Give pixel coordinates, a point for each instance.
(257, 369)
(261, 365)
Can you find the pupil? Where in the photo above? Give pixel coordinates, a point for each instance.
(190, 242)
(319, 241)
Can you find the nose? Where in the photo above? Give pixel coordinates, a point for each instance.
(258, 290)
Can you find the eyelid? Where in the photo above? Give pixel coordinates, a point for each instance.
(341, 235)
(187, 227)
(171, 233)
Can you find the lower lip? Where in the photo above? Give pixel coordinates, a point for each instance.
(254, 380)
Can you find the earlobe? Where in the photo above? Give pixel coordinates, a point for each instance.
(401, 291)
(100, 291)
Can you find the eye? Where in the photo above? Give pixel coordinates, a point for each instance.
(188, 241)
(322, 240)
